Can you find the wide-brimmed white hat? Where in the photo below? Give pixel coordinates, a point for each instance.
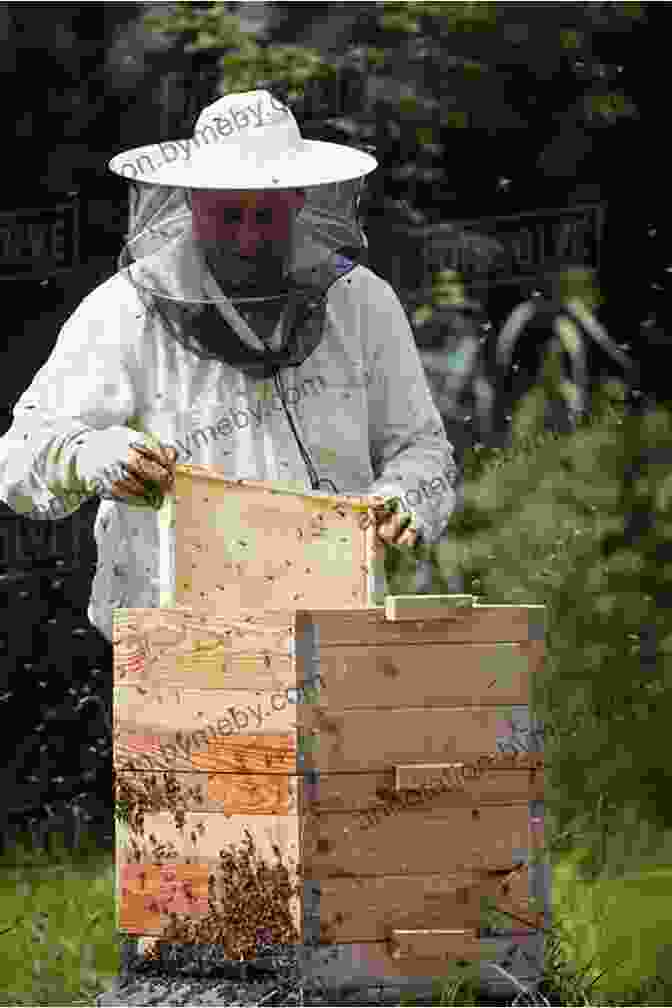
(248, 140)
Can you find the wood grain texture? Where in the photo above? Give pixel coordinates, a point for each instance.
(206, 730)
(377, 740)
(253, 753)
(357, 909)
(349, 910)
(488, 624)
(452, 674)
(333, 778)
(226, 793)
(245, 544)
(207, 475)
(277, 794)
(180, 646)
(413, 950)
(489, 836)
(486, 780)
(225, 730)
(368, 908)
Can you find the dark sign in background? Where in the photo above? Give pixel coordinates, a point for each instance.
(490, 252)
(44, 240)
(531, 240)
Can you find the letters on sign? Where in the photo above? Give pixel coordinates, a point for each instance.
(528, 241)
(40, 237)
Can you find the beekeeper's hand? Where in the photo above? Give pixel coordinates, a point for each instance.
(149, 474)
(391, 527)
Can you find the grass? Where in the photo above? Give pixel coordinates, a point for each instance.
(57, 924)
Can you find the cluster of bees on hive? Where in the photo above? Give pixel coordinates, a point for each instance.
(254, 907)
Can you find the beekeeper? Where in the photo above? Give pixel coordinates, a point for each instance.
(233, 335)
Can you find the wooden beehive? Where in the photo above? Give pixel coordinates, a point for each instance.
(246, 545)
(316, 732)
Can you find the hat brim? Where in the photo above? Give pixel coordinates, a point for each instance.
(315, 162)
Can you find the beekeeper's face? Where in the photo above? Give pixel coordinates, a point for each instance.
(247, 236)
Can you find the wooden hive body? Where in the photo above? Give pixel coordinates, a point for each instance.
(314, 730)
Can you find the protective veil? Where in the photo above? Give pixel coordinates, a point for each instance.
(163, 262)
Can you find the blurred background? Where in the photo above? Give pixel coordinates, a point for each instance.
(521, 178)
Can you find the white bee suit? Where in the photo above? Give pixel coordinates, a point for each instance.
(359, 403)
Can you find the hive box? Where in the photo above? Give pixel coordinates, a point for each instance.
(316, 732)
(250, 545)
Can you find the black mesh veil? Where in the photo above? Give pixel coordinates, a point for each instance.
(161, 260)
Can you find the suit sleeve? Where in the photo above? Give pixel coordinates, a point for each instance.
(410, 452)
(68, 434)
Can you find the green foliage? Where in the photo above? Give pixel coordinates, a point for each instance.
(245, 64)
(409, 17)
(252, 67)
(607, 107)
(447, 290)
(546, 523)
(600, 934)
(581, 523)
(553, 520)
(62, 948)
(201, 26)
(469, 53)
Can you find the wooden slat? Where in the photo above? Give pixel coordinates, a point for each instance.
(277, 794)
(462, 775)
(480, 625)
(253, 753)
(435, 944)
(183, 647)
(376, 740)
(225, 730)
(359, 792)
(206, 727)
(227, 793)
(444, 944)
(414, 841)
(349, 910)
(207, 476)
(366, 908)
(452, 674)
(424, 607)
